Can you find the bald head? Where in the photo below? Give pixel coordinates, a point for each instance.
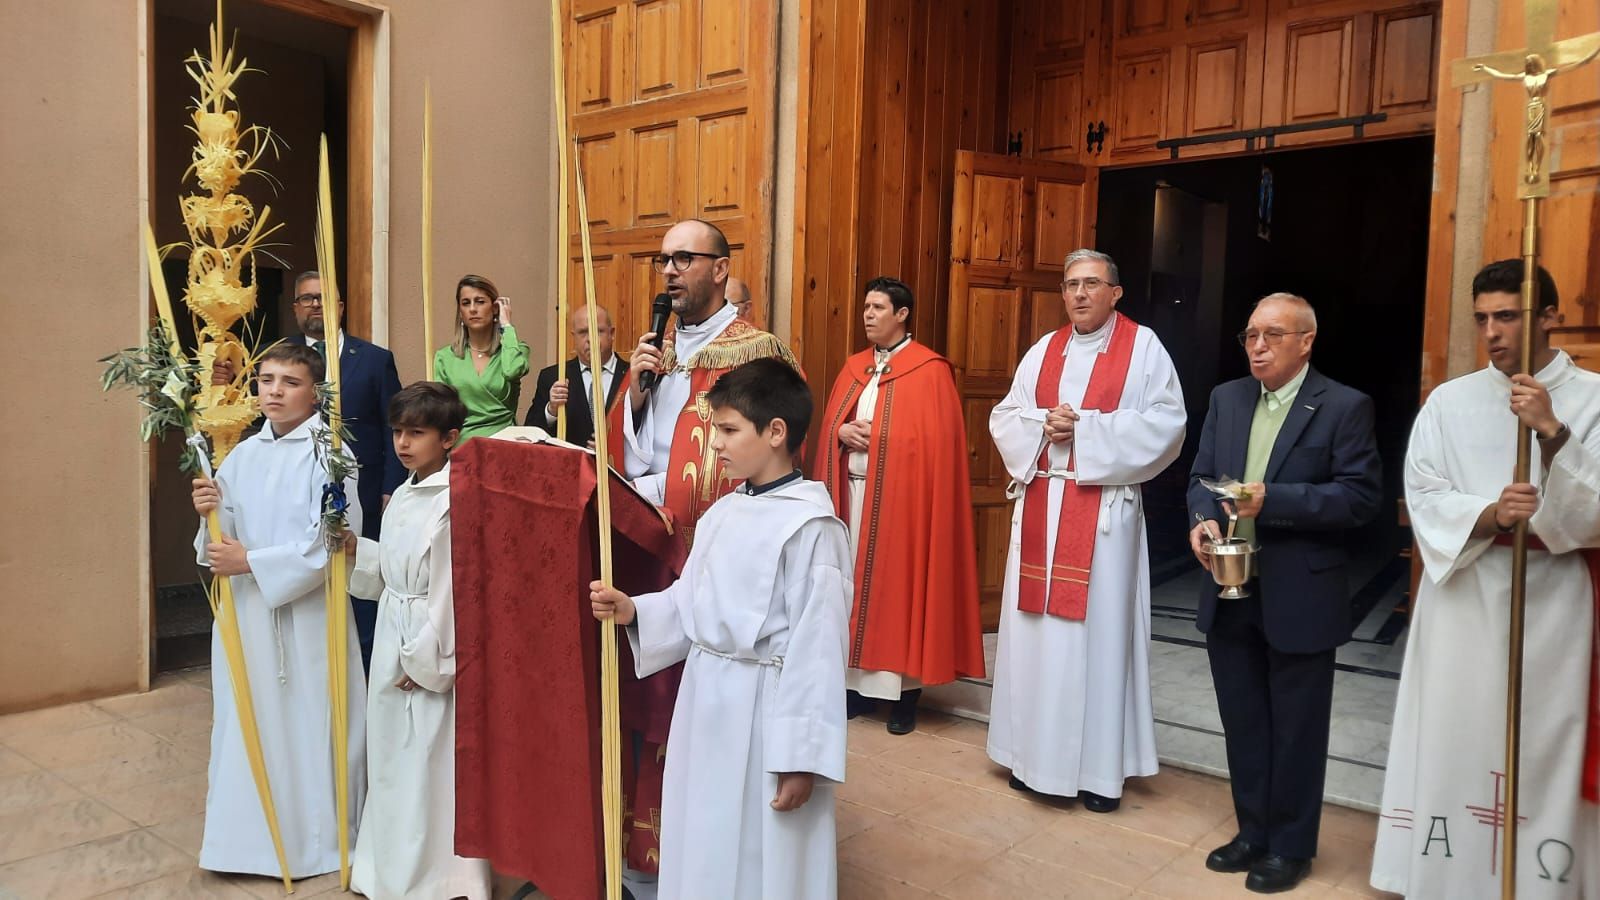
(580, 317)
(581, 332)
(1299, 307)
(1278, 338)
(697, 282)
(702, 234)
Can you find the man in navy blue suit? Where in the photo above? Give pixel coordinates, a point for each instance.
(1304, 446)
(367, 379)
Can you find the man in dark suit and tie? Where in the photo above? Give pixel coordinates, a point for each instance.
(1305, 449)
(552, 393)
(367, 379)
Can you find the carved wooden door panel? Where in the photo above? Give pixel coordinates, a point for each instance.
(671, 102)
(1014, 222)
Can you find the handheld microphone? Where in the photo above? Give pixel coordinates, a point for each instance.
(660, 312)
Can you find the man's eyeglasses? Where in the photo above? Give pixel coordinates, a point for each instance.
(680, 260)
(1273, 337)
(308, 300)
(1089, 285)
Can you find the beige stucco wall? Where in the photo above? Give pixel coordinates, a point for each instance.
(493, 165)
(74, 571)
(73, 582)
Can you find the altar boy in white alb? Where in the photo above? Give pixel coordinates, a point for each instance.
(1442, 816)
(269, 496)
(407, 843)
(761, 613)
(1095, 411)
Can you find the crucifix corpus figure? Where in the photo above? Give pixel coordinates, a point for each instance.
(1535, 77)
(1534, 66)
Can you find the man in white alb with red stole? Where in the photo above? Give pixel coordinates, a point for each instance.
(666, 436)
(1094, 411)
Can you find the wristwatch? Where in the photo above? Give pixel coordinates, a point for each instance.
(1560, 433)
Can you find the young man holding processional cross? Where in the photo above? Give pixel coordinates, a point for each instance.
(1440, 825)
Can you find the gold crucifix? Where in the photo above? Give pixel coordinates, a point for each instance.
(1534, 66)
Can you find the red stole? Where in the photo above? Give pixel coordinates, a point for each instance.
(1063, 589)
(614, 433)
(1591, 746)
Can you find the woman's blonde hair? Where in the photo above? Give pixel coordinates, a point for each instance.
(459, 345)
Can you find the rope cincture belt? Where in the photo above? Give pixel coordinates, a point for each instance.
(776, 661)
(1066, 474)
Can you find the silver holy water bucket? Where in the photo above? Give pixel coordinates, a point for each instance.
(1232, 561)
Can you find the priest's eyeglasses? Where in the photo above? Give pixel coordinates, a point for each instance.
(1089, 285)
(1273, 337)
(309, 300)
(680, 260)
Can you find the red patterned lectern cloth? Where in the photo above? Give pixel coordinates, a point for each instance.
(524, 549)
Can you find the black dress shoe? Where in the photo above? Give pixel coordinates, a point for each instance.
(1234, 856)
(1095, 803)
(903, 717)
(1017, 785)
(855, 704)
(1273, 873)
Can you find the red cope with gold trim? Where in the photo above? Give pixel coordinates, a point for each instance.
(916, 581)
(695, 477)
(1063, 589)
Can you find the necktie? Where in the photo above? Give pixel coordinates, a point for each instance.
(1273, 402)
(321, 347)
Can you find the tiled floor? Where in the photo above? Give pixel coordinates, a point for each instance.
(106, 799)
(1188, 726)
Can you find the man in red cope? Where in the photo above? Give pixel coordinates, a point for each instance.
(665, 434)
(894, 457)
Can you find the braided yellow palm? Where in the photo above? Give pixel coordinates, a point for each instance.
(224, 233)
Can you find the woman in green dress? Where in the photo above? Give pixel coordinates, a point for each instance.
(486, 361)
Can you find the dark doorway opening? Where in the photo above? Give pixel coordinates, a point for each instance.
(300, 92)
(1346, 227)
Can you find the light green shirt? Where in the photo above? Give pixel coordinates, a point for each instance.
(1272, 408)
